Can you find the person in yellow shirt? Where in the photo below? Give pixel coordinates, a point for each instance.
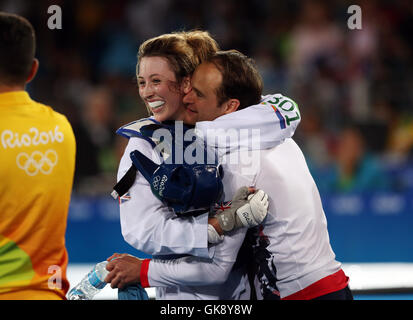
(37, 152)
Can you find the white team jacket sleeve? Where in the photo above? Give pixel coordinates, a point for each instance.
(193, 271)
(148, 225)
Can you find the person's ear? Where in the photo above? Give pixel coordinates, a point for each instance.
(33, 70)
(186, 85)
(231, 105)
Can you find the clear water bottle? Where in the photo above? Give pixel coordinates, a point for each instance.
(91, 284)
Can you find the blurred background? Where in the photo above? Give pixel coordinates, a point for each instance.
(354, 89)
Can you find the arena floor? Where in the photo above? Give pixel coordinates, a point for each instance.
(368, 281)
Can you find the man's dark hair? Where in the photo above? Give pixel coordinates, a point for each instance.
(240, 78)
(17, 48)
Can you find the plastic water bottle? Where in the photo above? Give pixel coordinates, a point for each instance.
(91, 284)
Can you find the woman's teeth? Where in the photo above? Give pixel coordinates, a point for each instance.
(156, 104)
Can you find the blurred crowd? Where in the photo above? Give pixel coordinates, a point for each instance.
(353, 87)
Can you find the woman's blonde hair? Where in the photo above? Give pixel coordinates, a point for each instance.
(184, 50)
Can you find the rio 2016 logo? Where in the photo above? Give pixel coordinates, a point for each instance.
(36, 161)
(9, 139)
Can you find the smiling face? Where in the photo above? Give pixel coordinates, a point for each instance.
(159, 89)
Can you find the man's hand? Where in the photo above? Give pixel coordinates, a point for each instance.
(124, 270)
(248, 209)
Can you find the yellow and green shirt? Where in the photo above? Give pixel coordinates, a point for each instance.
(37, 152)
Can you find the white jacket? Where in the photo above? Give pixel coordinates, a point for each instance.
(295, 227)
(147, 224)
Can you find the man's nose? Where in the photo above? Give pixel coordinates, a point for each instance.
(188, 97)
(187, 88)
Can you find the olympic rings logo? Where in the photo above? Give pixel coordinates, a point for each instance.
(158, 183)
(37, 161)
(155, 182)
